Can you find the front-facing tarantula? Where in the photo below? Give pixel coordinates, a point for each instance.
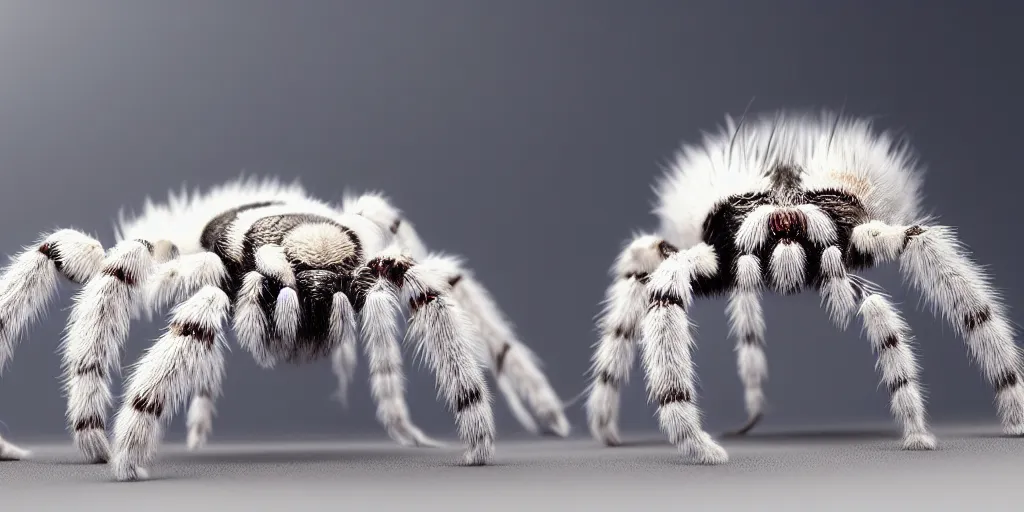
(298, 278)
(784, 203)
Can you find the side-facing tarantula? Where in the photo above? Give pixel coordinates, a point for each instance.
(297, 277)
(784, 203)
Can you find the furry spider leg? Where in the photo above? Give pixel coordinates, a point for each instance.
(890, 339)
(666, 343)
(100, 320)
(746, 325)
(940, 267)
(516, 370)
(619, 323)
(378, 307)
(29, 283)
(344, 358)
(173, 282)
(187, 358)
(443, 336)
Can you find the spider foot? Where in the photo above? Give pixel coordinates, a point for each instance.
(919, 441)
(411, 436)
(197, 435)
(480, 452)
(1015, 430)
(705, 450)
(125, 472)
(555, 422)
(94, 445)
(9, 451)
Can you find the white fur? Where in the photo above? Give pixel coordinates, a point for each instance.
(940, 267)
(787, 267)
(271, 262)
(174, 367)
(97, 328)
(747, 326)
(755, 163)
(177, 279)
(250, 323)
(882, 321)
(181, 218)
(522, 378)
(619, 324)
(159, 261)
(343, 358)
(384, 361)
(873, 165)
(666, 346)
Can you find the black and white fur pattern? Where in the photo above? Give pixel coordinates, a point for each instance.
(296, 277)
(783, 203)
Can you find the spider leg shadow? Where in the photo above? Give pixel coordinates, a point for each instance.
(823, 435)
(296, 455)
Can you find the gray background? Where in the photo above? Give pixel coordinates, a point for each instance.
(523, 135)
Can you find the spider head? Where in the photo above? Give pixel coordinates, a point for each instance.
(784, 177)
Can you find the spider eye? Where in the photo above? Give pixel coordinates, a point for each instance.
(395, 225)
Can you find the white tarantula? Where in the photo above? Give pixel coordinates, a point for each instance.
(297, 277)
(783, 203)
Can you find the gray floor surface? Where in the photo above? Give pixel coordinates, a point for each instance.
(975, 468)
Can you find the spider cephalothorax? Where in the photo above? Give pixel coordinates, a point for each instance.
(299, 280)
(788, 203)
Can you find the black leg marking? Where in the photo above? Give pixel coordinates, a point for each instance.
(148, 406)
(90, 368)
(890, 341)
(1006, 381)
(194, 331)
(467, 398)
(752, 339)
(90, 423)
(664, 299)
(608, 380)
(976, 319)
(51, 251)
(423, 299)
(120, 274)
(499, 360)
(911, 232)
(390, 268)
(898, 384)
(641, 277)
(625, 333)
(674, 395)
